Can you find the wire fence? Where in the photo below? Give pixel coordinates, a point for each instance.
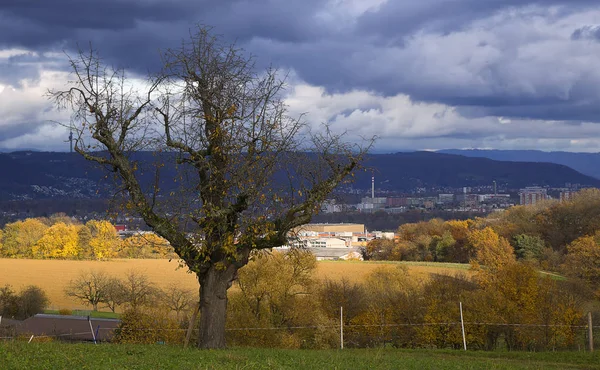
(350, 335)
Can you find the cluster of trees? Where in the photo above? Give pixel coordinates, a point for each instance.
(554, 235)
(280, 303)
(61, 237)
(20, 305)
(132, 293)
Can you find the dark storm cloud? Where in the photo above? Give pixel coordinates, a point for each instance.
(404, 17)
(372, 52)
(92, 14)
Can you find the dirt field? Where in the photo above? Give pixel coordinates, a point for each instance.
(54, 275)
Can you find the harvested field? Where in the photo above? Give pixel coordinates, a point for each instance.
(358, 270)
(54, 275)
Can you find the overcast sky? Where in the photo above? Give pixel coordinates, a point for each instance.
(426, 74)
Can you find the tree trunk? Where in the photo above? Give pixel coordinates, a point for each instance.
(213, 306)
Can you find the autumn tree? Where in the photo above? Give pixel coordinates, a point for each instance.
(59, 241)
(245, 172)
(146, 245)
(491, 250)
(105, 241)
(279, 290)
(392, 296)
(20, 237)
(460, 251)
(381, 249)
(583, 260)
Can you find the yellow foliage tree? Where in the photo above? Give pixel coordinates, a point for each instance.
(491, 250)
(583, 260)
(276, 290)
(105, 241)
(59, 241)
(147, 245)
(19, 237)
(392, 293)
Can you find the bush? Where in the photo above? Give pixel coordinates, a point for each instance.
(65, 312)
(149, 326)
(30, 301)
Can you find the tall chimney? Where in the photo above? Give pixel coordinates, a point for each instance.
(373, 187)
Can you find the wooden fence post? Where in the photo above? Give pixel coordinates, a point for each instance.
(590, 332)
(341, 327)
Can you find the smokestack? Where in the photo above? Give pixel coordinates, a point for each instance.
(71, 140)
(372, 187)
(495, 189)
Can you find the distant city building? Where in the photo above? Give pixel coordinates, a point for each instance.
(396, 202)
(566, 196)
(468, 200)
(493, 197)
(332, 228)
(331, 206)
(532, 195)
(372, 204)
(323, 243)
(446, 198)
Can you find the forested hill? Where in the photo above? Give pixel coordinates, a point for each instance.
(586, 163)
(429, 169)
(38, 175)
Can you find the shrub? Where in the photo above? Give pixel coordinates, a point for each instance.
(148, 326)
(30, 301)
(65, 312)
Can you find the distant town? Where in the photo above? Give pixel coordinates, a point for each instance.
(480, 199)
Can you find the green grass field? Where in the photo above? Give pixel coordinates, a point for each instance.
(84, 313)
(21, 355)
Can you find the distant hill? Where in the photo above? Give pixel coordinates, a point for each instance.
(429, 169)
(586, 163)
(43, 175)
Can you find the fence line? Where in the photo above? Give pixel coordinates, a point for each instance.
(326, 327)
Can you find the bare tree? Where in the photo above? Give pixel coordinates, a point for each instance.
(245, 172)
(89, 288)
(176, 299)
(114, 294)
(137, 290)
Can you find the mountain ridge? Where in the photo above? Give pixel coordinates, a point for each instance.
(585, 163)
(42, 175)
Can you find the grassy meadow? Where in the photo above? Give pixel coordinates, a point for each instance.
(20, 355)
(54, 275)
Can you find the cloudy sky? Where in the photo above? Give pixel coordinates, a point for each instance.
(426, 74)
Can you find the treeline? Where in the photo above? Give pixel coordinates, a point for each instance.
(382, 220)
(61, 237)
(279, 302)
(557, 236)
